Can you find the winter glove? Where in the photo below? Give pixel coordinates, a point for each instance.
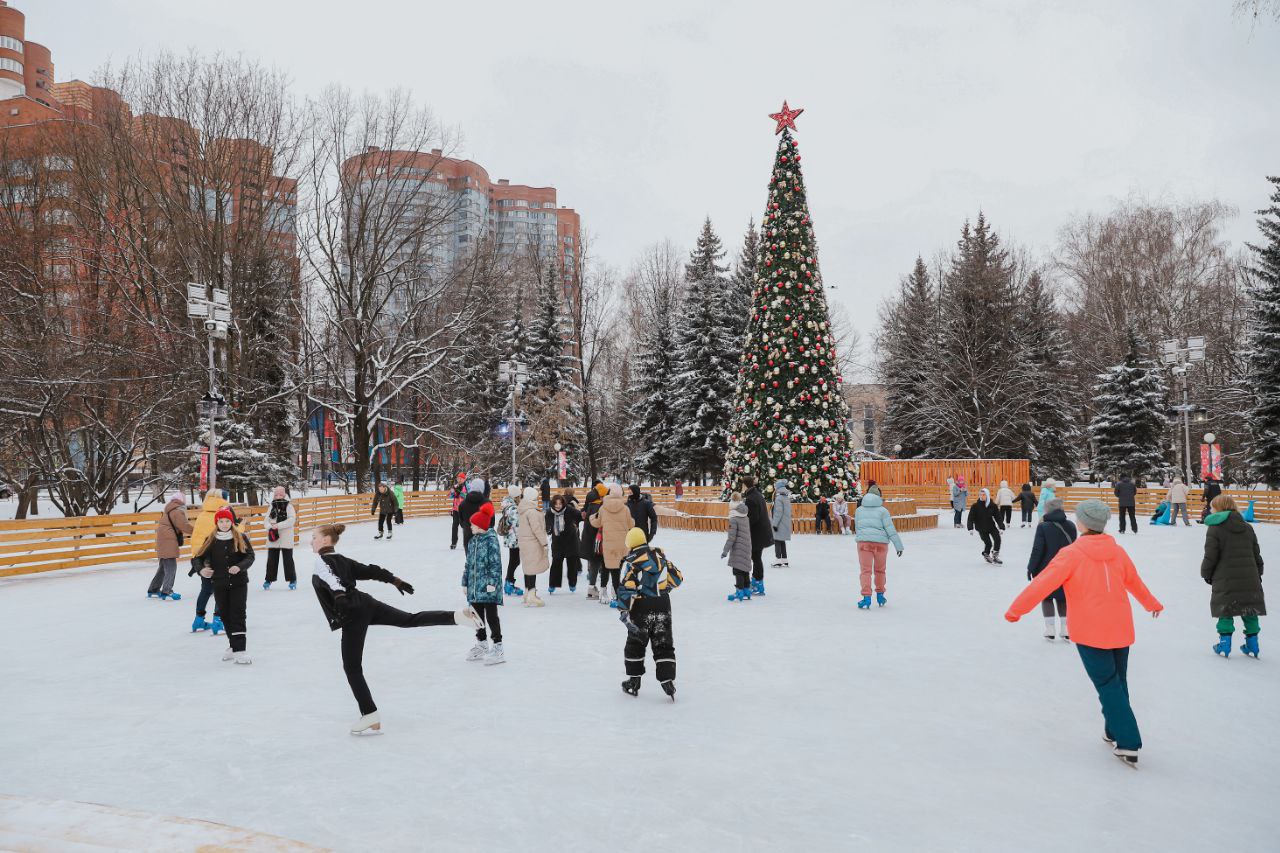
(899, 552)
(624, 616)
(405, 587)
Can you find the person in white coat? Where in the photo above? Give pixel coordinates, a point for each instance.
(1004, 500)
(1177, 499)
(532, 535)
(282, 518)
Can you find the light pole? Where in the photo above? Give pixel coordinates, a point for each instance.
(515, 374)
(213, 306)
(1209, 439)
(1182, 358)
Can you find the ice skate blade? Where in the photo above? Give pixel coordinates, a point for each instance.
(366, 733)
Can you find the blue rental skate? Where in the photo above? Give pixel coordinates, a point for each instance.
(865, 603)
(512, 589)
(293, 584)
(880, 599)
(266, 584)
(1224, 645)
(1250, 646)
(154, 595)
(757, 587)
(171, 596)
(736, 595)
(216, 626)
(199, 625)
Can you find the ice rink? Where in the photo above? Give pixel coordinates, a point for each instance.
(801, 722)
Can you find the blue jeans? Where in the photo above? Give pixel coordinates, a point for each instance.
(206, 592)
(1108, 669)
(1173, 514)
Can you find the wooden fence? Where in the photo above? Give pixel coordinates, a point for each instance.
(934, 472)
(1266, 504)
(714, 516)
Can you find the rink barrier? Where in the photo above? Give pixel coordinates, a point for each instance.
(37, 545)
(927, 472)
(713, 516)
(1266, 505)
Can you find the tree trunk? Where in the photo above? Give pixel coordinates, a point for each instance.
(360, 438)
(417, 463)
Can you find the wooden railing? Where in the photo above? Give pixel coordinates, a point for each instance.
(703, 515)
(1266, 505)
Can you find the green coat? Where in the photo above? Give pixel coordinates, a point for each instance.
(398, 491)
(1233, 566)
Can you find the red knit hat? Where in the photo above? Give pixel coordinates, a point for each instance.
(483, 517)
(224, 512)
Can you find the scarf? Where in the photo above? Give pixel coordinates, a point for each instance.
(557, 522)
(222, 535)
(280, 509)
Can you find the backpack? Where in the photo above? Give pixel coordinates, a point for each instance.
(504, 525)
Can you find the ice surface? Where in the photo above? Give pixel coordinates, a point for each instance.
(802, 723)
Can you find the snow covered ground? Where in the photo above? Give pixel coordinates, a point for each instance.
(802, 723)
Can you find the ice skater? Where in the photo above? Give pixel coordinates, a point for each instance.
(352, 611)
(780, 519)
(840, 509)
(1052, 535)
(644, 602)
(959, 498)
(737, 547)
(1027, 501)
(1047, 494)
(761, 531)
(874, 532)
(984, 517)
(509, 530)
(533, 546)
(563, 519)
(1004, 500)
(1098, 577)
(482, 579)
(1232, 565)
(281, 520)
(384, 506)
(822, 515)
(613, 520)
(171, 528)
(224, 560)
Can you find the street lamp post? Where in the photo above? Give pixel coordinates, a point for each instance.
(1182, 359)
(515, 374)
(1209, 439)
(213, 306)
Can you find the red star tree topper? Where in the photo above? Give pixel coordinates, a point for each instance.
(789, 414)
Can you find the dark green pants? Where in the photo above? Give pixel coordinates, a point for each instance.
(1227, 625)
(1108, 669)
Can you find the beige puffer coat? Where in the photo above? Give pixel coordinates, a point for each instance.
(532, 535)
(614, 520)
(173, 520)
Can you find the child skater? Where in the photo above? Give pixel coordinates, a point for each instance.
(224, 560)
(1052, 535)
(738, 548)
(874, 532)
(333, 577)
(840, 509)
(1098, 578)
(1027, 500)
(482, 579)
(1232, 565)
(645, 609)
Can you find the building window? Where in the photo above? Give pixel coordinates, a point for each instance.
(10, 65)
(10, 43)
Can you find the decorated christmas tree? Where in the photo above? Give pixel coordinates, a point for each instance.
(789, 415)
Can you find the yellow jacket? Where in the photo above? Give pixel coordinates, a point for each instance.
(202, 528)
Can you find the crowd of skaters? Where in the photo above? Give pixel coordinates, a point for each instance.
(1073, 567)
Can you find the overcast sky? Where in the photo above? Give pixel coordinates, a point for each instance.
(648, 116)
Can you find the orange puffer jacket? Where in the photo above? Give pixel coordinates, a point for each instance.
(1097, 577)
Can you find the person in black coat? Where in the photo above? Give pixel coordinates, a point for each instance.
(1026, 499)
(1232, 565)
(224, 561)
(760, 520)
(1212, 488)
(588, 538)
(643, 515)
(563, 520)
(985, 517)
(1053, 534)
(384, 506)
(822, 515)
(1127, 499)
(352, 611)
(477, 495)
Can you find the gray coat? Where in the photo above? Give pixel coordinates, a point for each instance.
(781, 511)
(738, 546)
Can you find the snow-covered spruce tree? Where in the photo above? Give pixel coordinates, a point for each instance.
(1128, 426)
(978, 399)
(706, 376)
(789, 414)
(548, 364)
(1052, 431)
(908, 347)
(652, 415)
(738, 299)
(1264, 348)
(266, 373)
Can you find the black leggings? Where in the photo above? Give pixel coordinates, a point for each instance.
(741, 580)
(368, 612)
(513, 561)
(273, 563)
(1006, 512)
(1057, 599)
(607, 575)
(990, 541)
(232, 601)
(488, 615)
(530, 582)
(780, 549)
(820, 523)
(757, 563)
(387, 518)
(558, 559)
(1026, 513)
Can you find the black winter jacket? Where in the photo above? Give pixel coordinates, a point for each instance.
(587, 541)
(1027, 499)
(567, 542)
(1211, 490)
(384, 503)
(1126, 492)
(985, 518)
(643, 515)
(471, 505)
(1052, 535)
(1233, 566)
(345, 572)
(760, 518)
(220, 556)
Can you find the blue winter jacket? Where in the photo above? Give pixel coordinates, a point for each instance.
(482, 575)
(647, 573)
(872, 522)
(1046, 494)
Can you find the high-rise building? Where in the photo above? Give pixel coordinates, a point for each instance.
(518, 218)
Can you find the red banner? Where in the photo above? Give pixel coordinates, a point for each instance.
(204, 469)
(564, 464)
(1211, 461)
